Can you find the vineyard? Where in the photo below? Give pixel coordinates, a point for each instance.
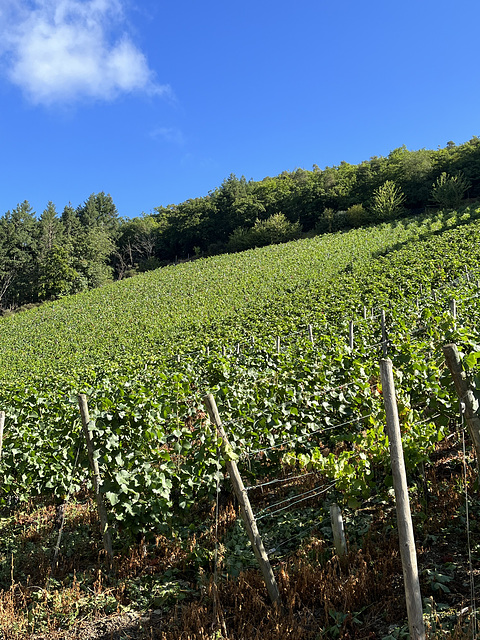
(288, 340)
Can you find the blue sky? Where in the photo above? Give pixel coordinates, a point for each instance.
(157, 102)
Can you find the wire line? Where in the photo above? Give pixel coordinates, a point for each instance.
(470, 566)
(313, 495)
(308, 435)
(270, 482)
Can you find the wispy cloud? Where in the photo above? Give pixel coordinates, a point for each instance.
(170, 134)
(59, 51)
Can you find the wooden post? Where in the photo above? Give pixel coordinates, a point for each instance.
(207, 350)
(350, 334)
(384, 335)
(310, 333)
(404, 518)
(245, 508)
(97, 479)
(238, 349)
(465, 393)
(277, 344)
(2, 425)
(338, 530)
(224, 351)
(453, 309)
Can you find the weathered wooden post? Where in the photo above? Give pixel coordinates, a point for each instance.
(310, 333)
(350, 334)
(384, 335)
(466, 394)
(97, 479)
(338, 530)
(245, 507)
(2, 426)
(453, 309)
(277, 344)
(404, 517)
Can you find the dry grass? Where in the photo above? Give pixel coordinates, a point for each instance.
(310, 593)
(361, 597)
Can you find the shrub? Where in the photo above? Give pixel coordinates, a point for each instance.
(340, 221)
(274, 230)
(387, 201)
(324, 223)
(448, 191)
(357, 216)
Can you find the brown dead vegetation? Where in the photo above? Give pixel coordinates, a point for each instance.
(361, 597)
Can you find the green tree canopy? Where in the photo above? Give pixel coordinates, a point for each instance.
(387, 201)
(449, 191)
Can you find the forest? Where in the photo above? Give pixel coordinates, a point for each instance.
(47, 255)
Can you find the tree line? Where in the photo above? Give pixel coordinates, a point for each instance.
(56, 254)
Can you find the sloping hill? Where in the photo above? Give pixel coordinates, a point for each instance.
(193, 304)
(267, 332)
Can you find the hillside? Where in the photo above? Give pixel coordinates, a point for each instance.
(228, 297)
(267, 332)
(48, 255)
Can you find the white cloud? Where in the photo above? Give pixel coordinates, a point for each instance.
(170, 134)
(59, 51)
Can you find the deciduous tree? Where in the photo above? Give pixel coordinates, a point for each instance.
(387, 201)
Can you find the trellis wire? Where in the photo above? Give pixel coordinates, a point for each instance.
(215, 569)
(303, 533)
(289, 479)
(461, 281)
(467, 518)
(266, 511)
(429, 419)
(67, 499)
(302, 499)
(375, 345)
(235, 421)
(308, 435)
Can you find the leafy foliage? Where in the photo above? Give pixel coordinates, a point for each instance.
(387, 201)
(448, 191)
(98, 246)
(313, 405)
(274, 230)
